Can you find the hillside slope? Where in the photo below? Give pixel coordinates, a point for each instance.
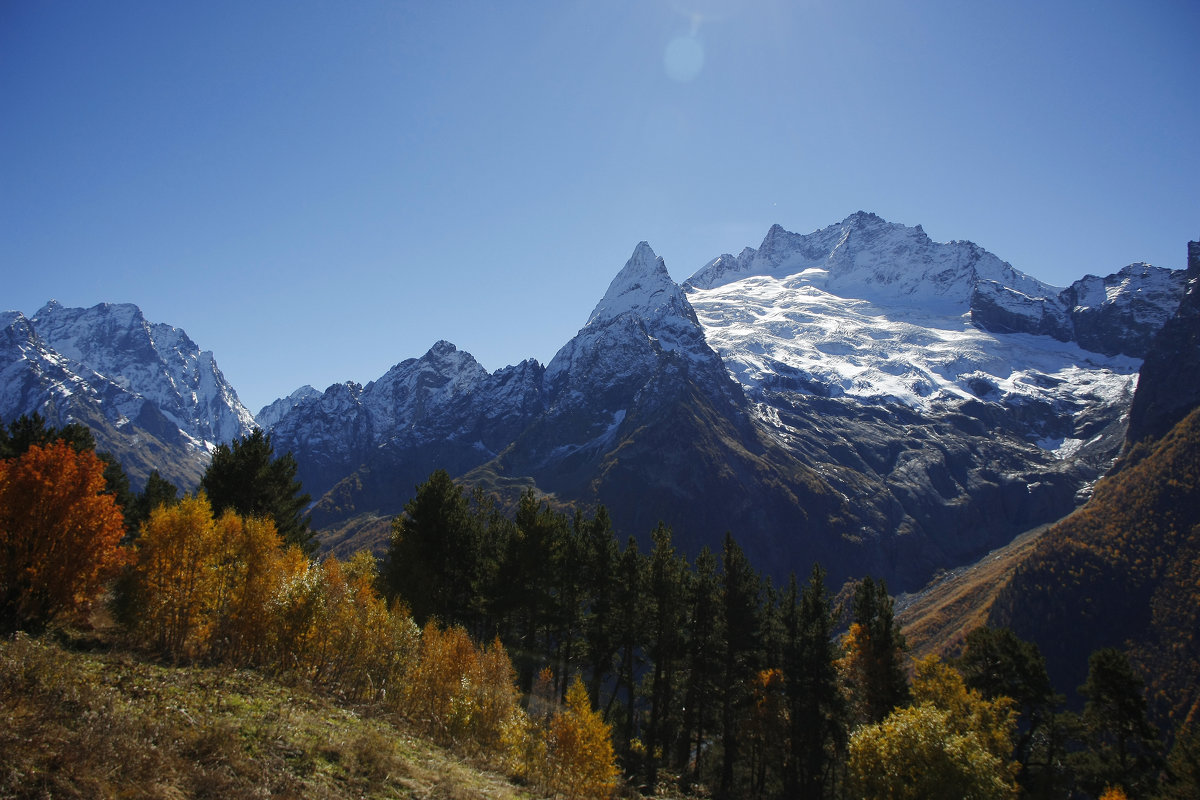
(93, 723)
(1122, 572)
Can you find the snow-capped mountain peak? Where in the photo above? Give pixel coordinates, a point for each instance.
(148, 362)
(869, 258)
(643, 285)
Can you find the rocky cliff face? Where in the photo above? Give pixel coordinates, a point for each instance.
(1169, 386)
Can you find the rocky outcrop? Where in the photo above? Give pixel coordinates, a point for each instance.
(1169, 384)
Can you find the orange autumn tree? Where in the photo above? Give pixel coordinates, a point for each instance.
(60, 535)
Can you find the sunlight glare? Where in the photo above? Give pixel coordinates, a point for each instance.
(684, 58)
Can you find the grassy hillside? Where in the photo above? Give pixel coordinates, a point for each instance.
(79, 719)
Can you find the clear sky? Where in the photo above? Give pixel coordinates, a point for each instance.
(318, 190)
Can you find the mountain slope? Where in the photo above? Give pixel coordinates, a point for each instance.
(882, 359)
(1121, 571)
(854, 395)
(643, 417)
(150, 395)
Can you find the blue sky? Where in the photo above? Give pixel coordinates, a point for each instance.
(318, 190)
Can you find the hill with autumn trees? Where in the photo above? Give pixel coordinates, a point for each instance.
(538, 646)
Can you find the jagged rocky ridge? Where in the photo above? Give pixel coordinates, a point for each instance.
(149, 394)
(861, 395)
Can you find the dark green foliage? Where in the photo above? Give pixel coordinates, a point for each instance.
(703, 658)
(665, 646)
(28, 430)
(629, 625)
(741, 611)
(1183, 767)
(884, 681)
(817, 712)
(247, 477)
(158, 492)
(997, 663)
(432, 560)
(1122, 747)
(706, 672)
(601, 555)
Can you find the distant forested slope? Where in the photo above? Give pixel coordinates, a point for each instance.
(1124, 571)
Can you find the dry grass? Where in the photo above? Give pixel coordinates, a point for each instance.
(108, 724)
(938, 618)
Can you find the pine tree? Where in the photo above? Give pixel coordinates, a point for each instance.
(873, 663)
(434, 551)
(816, 708)
(997, 663)
(1123, 748)
(629, 625)
(741, 609)
(602, 555)
(704, 661)
(665, 644)
(157, 492)
(245, 476)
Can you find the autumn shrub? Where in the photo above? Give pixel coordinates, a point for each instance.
(948, 743)
(60, 535)
(175, 581)
(334, 629)
(579, 759)
(437, 688)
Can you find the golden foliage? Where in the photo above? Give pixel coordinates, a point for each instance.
(59, 533)
(579, 754)
(949, 743)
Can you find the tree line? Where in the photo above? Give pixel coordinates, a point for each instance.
(713, 676)
(541, 643)
(195, 583)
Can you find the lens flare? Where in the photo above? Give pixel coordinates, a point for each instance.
(684, 58)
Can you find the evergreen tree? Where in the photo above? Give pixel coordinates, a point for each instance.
(157, 492)
(741, 609)
(629, 624)
(817, 731)
(997, 663)
(1122, 746)
(434, 551)
(873, 664)
(30, 429)
(704, 661)
(245, 476)
(667, 612)
(535, 560)
(1183, 766)
(602, 555)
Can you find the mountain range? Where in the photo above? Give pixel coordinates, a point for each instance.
(860, 395)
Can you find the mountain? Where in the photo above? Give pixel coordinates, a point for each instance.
(860, 395)
(1169, 389)
(878, 355)
(1124, 570)
(150, 395)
